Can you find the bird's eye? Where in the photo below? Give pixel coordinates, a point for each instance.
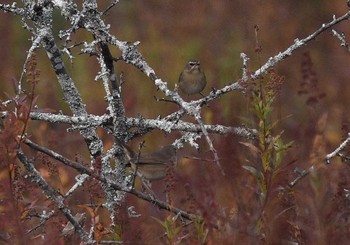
(193, 63)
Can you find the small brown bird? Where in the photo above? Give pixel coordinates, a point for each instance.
(154, 165)
(192, 80)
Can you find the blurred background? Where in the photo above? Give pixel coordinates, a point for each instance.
(173, 31)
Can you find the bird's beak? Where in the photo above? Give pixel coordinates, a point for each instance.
(194, 67)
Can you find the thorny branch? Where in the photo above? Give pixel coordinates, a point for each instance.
(84, 170)
(51, 193)
(89, 18)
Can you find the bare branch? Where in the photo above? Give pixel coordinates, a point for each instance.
(338, 150)
(51, 193)
(84, 170)
(296, 45)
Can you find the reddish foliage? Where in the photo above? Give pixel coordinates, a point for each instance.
(313, 212)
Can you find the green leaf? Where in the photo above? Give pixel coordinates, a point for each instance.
(254, 171)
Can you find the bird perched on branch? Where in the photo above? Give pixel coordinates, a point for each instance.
(192, 79)
(152, 165)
